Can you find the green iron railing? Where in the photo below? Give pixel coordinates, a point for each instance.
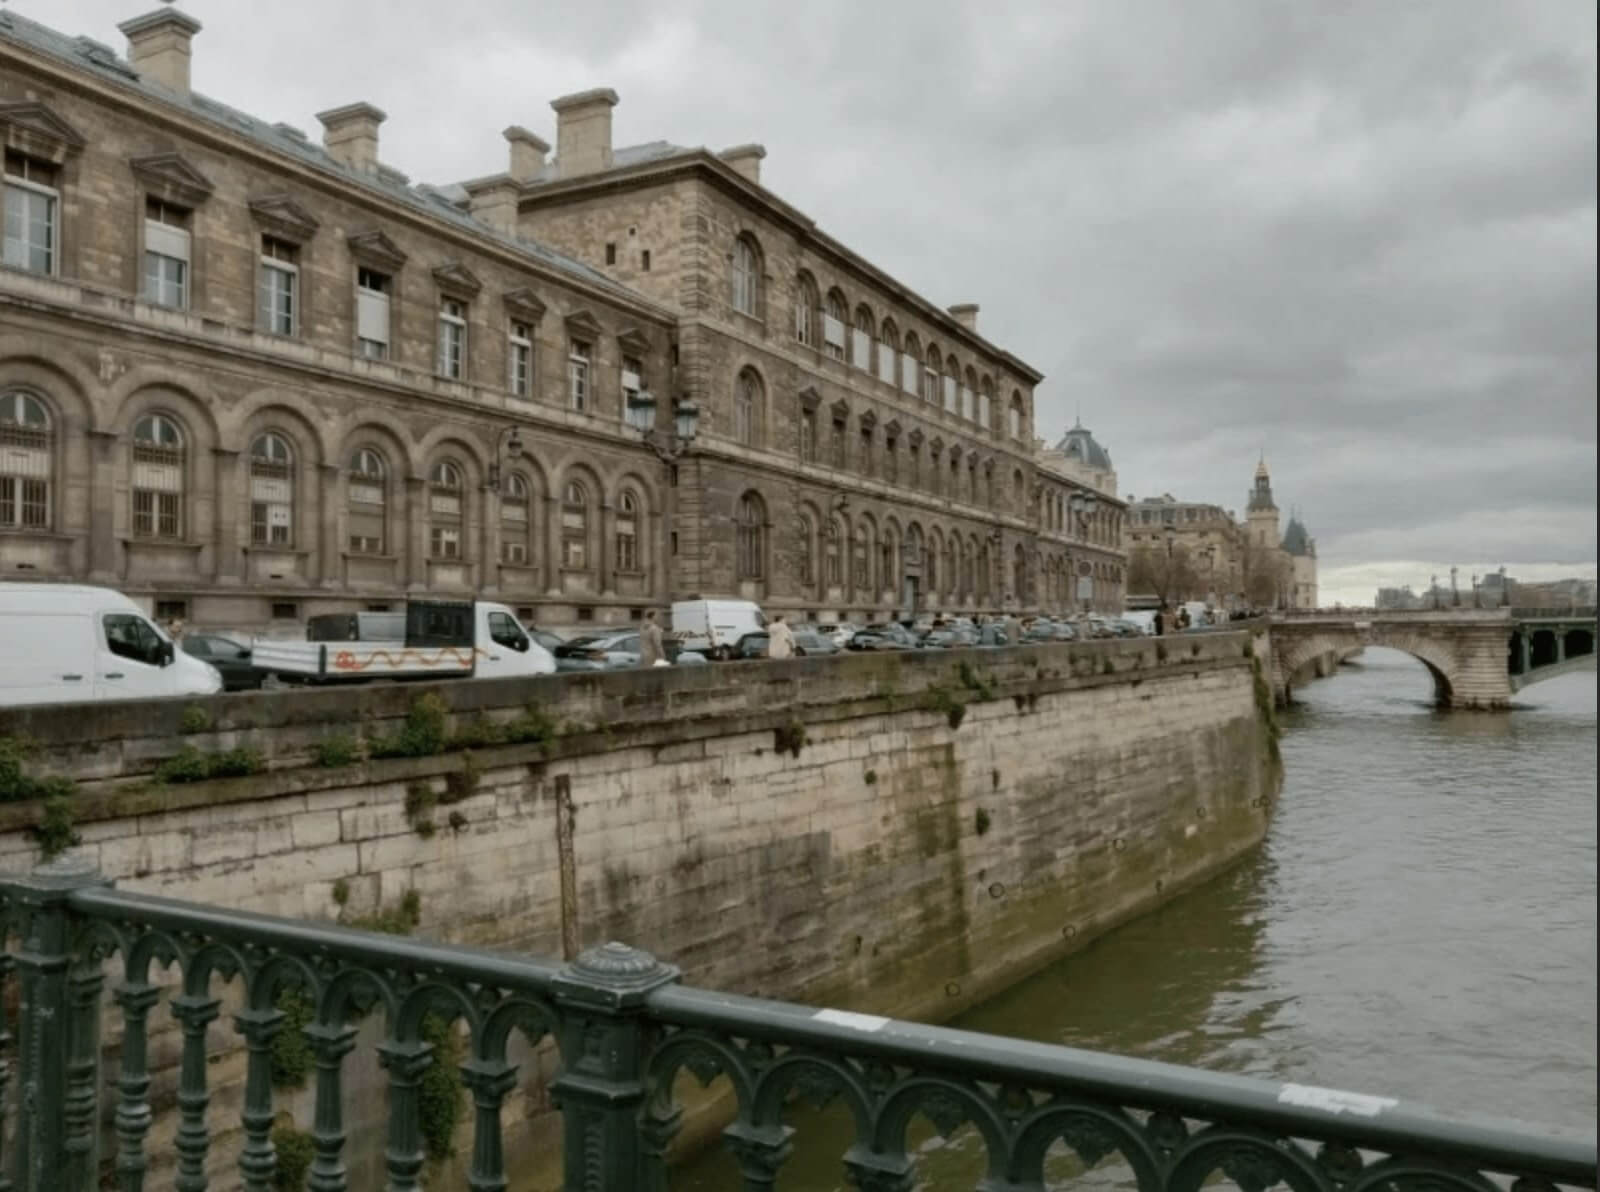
(624, 1029)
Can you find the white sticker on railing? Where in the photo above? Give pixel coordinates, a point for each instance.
(1334, 1100)
(856, 1022)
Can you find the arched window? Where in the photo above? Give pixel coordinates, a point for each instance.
(747, 408)
(888, 572)
(835, 323)
(158, 472)
(861, 340)
(970, 562)
(888, 353)
(367, 497)
(930, 563)
(807, 310)
(1015, 426)
(271, 491)
(835, 555)
(969, 395)
(26, 468)
(1019, 572)
(446, 493)
(986, 404)
(952, 386)
(749, 527)
(861, 559)
(985, 571)
(746, 277)
(911, 365)
(627, 552)
(951, 575)
(805, 558)
(1018, 494)
(930, 377)
(516, 521)
(574, 527)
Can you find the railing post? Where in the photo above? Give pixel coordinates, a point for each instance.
(603, 1085)
(57, 1032)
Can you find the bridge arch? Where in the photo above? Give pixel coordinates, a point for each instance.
(1298, 655)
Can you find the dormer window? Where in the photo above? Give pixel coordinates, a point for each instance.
(32, 214)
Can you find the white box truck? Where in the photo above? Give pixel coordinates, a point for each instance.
(714, 627)
(71, 643)
(434, 639)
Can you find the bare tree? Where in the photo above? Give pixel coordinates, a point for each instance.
(1266, 577)
(1171, 576)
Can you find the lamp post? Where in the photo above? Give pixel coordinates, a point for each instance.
(1433, 590)
(1455, 592)
(1475, 603)
(1209, 554)
(1171, 531)
(669, 445)
(508, 441)
(1083, 506)
(1505, 588)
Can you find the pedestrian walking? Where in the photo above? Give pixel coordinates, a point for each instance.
(1161, 621)
(651, 648)
(780, 639)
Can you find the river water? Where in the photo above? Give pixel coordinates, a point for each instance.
(1420, 923)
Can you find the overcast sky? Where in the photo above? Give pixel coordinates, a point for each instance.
(1359, 236)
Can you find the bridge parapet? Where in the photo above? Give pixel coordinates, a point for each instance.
(623, 1029)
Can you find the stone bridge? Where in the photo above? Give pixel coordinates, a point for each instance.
(1479, 658)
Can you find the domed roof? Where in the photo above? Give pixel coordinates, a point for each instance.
(1295, 539)
(1080, 445)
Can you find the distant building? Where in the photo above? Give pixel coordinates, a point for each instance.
(1221, 560)
(1079, 510)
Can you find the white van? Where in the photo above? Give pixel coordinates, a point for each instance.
(714, 627)
(68, 643)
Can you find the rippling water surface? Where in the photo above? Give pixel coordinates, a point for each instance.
(1419, 923)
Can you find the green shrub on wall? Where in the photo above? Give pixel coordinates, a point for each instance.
(295, 1150)
(425, 733)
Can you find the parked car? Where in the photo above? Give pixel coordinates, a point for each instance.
(813, 644)
(839, 634)
(950, 637)
(231, 658)
(751, 646)
(599, 651)
(546, 639)
(889, 636)
(1050, 631)
(71, 643)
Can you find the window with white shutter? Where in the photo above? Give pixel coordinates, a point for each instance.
(910, 372)
(372, 314)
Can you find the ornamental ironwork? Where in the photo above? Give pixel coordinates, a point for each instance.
(624, 1029)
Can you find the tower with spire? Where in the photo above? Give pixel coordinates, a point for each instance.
(1261, 511)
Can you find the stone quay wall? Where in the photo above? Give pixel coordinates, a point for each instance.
(901, 834)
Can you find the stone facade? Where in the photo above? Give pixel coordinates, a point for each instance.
(245, 377)
(886, 862)
(1079, 508)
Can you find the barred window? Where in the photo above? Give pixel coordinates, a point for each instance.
(445, 513)
(367, 498)
(574, 527)
(516, 522)
(271, 491)
(835, 561)
(627, 531)
(749, 528)
(158, 474)
(26, 462)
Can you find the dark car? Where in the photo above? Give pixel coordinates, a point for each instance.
(882, 637)
(230, 658)
(950, 637)
(599, 651)
(545, 638)
(812, 644)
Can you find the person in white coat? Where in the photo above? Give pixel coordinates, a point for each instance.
(780, 639)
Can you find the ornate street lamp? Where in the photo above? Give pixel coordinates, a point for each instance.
(509, 443)
(1455, 592)
(1171, 531)
(669, 445)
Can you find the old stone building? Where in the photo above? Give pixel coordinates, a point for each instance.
(1216, 557)
(1081, 511)
(248, 377)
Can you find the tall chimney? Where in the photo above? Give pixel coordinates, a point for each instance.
(967, 315)
(158, 47)
(583, 131)
(527, 153)
(746, 159)
(350, 135)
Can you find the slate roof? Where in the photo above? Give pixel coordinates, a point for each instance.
(1295, 539)
(98, 59)
(1080, 445)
